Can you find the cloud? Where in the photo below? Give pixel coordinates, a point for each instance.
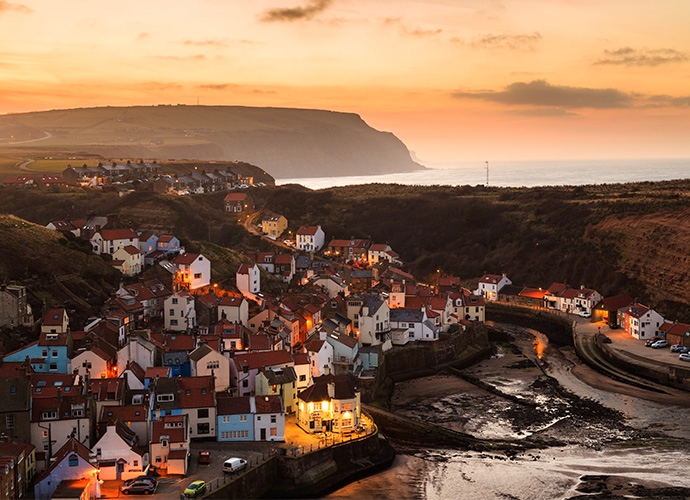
(143, 36)
(14, 7)
(218, 86)
(627, 56)
(419, 32)
(542, 93)
(506, 41)
(667, 100)
(205, 43)
(290, 14)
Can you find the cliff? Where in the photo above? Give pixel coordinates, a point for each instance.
(285, 142)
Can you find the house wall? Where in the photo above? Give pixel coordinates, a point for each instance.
(113, 447)
(134, 351)
(195, 419)
(82, 470)
(55, 357)
(272, 425)
(235, 314)
(99, 366)
(205, 367)
(179, 316)
(233, 427)
(60, 431)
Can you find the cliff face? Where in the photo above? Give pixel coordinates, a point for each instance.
(285, 142)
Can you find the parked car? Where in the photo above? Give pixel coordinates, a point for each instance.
(204, 457)
(605, 339)
(684, 356)
(138, 487)
(150, 479)
(652, 340)
(197, 488)
(232, 465)
(585, 314)
(677, 348)
(659, 344)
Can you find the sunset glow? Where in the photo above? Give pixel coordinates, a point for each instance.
(456, 80)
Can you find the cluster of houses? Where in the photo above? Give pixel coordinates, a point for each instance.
(619, 311)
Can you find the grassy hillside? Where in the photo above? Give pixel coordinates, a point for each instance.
(285, 142)
(57, 269)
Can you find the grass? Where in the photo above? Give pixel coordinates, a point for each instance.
(9, 165)
(51, 165)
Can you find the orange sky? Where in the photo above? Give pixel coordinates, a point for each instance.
(456, 80)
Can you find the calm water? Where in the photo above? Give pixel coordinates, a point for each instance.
(521, 173)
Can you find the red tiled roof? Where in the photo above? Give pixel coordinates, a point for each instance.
(283, 258)
(131, 413)
(314, 345)
(230, 301)
(201, 392)
(118, 234)
(268, 404)
(108, 389)
(534, 293)
(234, 406)
(179, 342)
(53, 317)
(244, 269)
(259, 343)
(165, 239)
(175, 434)
(160, 371)
(308, 230)
(177, 454)
(132, 250)
(378, 247)
(491, 278)
(557, 288)
(186, 259)
(256, 360)
(236, 197)
(301, 358)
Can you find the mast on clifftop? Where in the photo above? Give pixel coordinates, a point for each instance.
(487, 173)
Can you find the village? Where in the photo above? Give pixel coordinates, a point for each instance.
(177, 372)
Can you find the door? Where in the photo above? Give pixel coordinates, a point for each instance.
(263, 434)
(119, 469)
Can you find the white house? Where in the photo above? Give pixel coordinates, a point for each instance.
(179, 312)
(586, 299)
(194, 271)
(269, 419)
(72, 461)
(642, 322)
(94, 361)
(248, 279)
(491, 284)
(379, 252)
(206, 361)
(54, 420)
(118, 453)
(371, 321)
(415, 320)
(128, 260)
(198, 400)
(310, 238)
(320, 356)
(233, 309)
(110, 240)
(330, 403)
(139, 350)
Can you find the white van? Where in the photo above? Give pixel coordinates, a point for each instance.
(232, 465)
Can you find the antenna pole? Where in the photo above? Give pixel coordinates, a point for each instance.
(487, 173)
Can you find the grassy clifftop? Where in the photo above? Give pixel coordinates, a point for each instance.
(285, 142)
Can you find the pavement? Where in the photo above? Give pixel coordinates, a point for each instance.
(629, 345)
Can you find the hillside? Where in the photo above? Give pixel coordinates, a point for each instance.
(630, 238)
(285, 142)
(58, 269)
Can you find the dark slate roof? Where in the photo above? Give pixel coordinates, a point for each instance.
(280, 376)
(408, 315)
(318, 391)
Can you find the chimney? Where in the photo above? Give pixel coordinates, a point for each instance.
(331, 390)
(59, 395)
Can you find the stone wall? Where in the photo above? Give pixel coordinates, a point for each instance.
(554, 324)
(255, 483)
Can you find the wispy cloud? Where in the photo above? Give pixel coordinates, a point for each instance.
(218, 86)
(289, 14)
(542, 112)
(542, 93)
(14, 7)
(143, 36)
(627, 56)
(419, 32)
(506, 41)
(667, 100)
(208, 43)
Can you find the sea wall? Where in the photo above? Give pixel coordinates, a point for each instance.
(555, 325)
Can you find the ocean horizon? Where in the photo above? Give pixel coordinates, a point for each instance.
(519, 173)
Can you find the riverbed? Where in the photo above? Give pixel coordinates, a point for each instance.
(608, 442)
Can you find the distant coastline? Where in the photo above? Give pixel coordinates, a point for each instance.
(519, 173)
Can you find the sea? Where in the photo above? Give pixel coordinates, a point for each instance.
(519, 173)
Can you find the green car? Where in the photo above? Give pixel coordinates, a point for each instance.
(195, 489)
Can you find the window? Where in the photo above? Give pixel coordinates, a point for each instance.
(203, 428)
(13, 389)
(135, 463)
(202, 413)
(197, 276)
(174, 301)
(258, 417)
(53, 367)
(302, 378)
(274, 431)
(44, 434)
(9, 421)
(44, 353)
(226, 419)
(158, 460)
(245, 383)
(55, 354)
(212, 364)
(243, 418)
(162, 398)
(98, 452)
(164, 443)
(173, 322)
(49, 415)
(273, 419)
(172, 312)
